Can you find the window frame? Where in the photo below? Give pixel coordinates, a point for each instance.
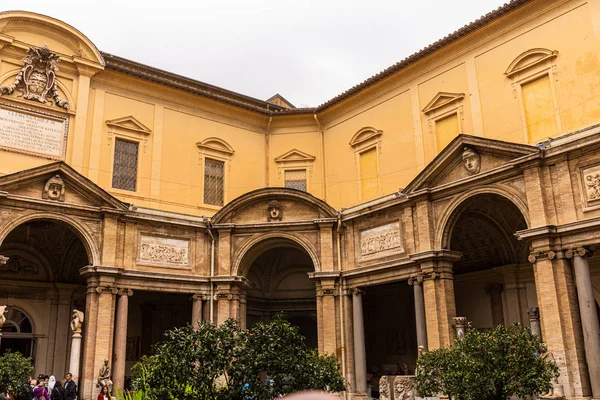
(367, 138)
(221, 160)
(438, 109)
(294, 160)
(292, 169)
(541, 62)
(216, 149)
(138, 142)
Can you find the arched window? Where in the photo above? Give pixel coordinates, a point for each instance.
(17, 333)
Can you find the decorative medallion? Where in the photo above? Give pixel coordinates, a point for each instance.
(274, 211)
(54, 189)
(37, 79)
(471, 161)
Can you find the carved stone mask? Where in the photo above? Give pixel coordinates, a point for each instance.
(471, 160)
(54, 189)
(274, 211)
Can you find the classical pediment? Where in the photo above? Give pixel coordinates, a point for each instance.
(442, 99)
(215, 144)
(528, 59)
(468, 158)
(294, 155)
(58, 183)
(129, 123)
(366, 134)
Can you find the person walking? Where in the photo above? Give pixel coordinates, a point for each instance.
(70, 387)
(103, 395)
(58, 392)
(40, 392)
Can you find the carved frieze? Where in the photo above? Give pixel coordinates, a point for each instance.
(163, 251)
(381, 241)
(37, 79)
(404, 388)
(590, 179)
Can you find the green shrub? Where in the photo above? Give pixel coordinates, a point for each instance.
(508, 361)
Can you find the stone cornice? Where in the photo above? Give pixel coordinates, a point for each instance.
(436, 255)
(586, 225)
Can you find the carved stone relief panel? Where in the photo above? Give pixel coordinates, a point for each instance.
(381, 241)
(163, 251)
(590, 185)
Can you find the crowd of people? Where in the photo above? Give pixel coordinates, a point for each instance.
(46, 388)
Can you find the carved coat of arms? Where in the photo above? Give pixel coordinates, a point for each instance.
(37, 79)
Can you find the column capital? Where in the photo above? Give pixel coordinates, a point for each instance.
(327, 292)
(223, 296)
(495, 288)
(578, 251)
(106, 289)
(415, 279)
(125, 292)
(354, 291)
(541, 255)
(200, 296)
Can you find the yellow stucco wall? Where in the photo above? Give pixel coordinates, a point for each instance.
(170, 170)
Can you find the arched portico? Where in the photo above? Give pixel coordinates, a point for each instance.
(42, 274)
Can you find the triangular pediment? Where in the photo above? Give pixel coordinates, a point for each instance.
(36, 183)
(450, 165)
(294, 155)
(129, 123)
(215, 144)
(442, 99)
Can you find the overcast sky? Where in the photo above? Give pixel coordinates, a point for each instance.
(308, 51)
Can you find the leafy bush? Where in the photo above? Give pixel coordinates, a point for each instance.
(508, 361)
(229, 363)
(15, 369)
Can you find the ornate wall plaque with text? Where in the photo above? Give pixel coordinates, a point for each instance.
(163, 251)
(31, 132)
(381, 241)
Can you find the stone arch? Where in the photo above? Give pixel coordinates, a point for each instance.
(35, 317)
(79, 229)
(58, 30)
(324, 210)
(453, 210)
(260, 243)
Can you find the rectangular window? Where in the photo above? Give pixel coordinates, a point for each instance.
(369, 171)
(125, 165)
(214, 182)
(446, 129)
(539, 110)
(296, 179)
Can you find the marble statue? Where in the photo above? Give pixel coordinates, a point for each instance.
(3, 312)
(76, 321)
(104, 377)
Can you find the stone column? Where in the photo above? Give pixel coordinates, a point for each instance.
(560, 320)
(76, 325)
(460, 324)
(360, 353)
(495, 292)
(589, 316)
(3, 312)
(417, 284)
(120, 344)
(243, 301)
(534, 321)
(438, 294)
(197, 309)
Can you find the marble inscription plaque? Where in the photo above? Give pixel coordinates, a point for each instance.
(385, 238)
(32, 133)
(163, 251)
